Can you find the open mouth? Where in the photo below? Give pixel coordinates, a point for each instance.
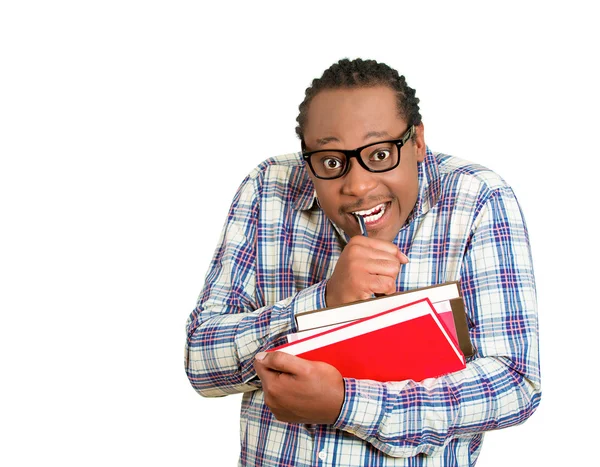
(373, 214)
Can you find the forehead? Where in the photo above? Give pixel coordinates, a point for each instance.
(354, 112)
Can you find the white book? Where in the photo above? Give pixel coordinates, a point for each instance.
(442, 308)
(365, 308)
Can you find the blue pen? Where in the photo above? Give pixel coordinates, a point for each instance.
(363, 226)
(363, 231)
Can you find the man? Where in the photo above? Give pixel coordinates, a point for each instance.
(292, 243)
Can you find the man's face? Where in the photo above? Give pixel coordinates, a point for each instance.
(351, 118)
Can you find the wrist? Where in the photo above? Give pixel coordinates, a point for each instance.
(330, 299)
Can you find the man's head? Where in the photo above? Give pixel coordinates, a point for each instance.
(355, 104)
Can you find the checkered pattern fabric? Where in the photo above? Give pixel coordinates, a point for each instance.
(276, 252)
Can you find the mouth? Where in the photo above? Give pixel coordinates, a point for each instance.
(374, 214)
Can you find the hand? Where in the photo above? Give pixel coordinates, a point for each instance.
(367, 266)
(298, 390)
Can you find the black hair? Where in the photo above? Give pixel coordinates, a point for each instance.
(360, 73)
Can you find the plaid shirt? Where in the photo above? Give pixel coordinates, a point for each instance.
(275, 254)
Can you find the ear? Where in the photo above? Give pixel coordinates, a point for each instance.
(419, 142)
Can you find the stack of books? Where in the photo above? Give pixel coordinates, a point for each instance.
(416, 334)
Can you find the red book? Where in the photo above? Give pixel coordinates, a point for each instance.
(406, 342)
(443, 309)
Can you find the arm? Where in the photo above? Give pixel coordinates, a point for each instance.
(230, 324)
(500, 386)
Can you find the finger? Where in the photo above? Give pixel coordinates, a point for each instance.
(374, 244)
(281, 361)
(402, 257)
(261, 370)
(383, 267)
(362, 255)
(382, 285)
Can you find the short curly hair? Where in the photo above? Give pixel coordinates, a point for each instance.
(360, 73)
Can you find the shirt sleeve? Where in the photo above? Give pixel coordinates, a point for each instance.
(500, 386)
(229, 325)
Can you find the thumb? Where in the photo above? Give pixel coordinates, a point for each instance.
(279, 361)
(402, 257)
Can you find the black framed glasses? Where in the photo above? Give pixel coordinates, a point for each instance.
(377, 157)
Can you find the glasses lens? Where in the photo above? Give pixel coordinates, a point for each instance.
(380, 157)
(328, 164)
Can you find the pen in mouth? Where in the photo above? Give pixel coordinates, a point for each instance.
(361, 223)
(363, 231)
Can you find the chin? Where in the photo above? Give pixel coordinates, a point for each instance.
(390, 230)
(385, 235)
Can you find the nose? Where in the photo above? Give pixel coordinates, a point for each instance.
(358, 181)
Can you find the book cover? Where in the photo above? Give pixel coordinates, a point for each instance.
(407, 342)
(364, 308)
(461, 327)
(444, 310)
(451, 313)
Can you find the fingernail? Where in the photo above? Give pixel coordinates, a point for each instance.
(404, 256)
(261, 355)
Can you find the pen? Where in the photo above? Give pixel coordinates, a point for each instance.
(361, 223)
(363, 231)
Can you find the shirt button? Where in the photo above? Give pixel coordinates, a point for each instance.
(323, 455)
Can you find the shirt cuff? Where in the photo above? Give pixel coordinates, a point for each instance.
(363, 409)
(309, 299)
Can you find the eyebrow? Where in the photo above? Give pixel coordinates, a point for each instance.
(370, 134)
(324, 141)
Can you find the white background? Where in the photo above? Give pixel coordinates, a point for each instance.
(125, 129)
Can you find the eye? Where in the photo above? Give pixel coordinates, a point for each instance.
(331, 163)
(380, 155)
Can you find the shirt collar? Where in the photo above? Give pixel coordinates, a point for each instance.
(429, 187)
(305, 195)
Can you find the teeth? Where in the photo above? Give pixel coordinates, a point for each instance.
(368, 214)
(370, 211)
